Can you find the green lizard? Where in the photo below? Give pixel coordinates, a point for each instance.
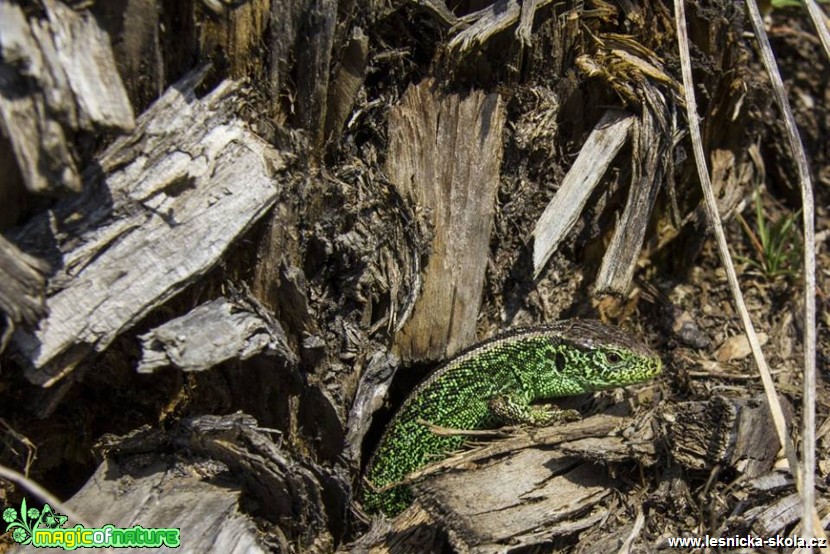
(493, 384)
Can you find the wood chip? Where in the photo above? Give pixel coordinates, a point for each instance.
(562, 213)
(215, 332)
(737, 348)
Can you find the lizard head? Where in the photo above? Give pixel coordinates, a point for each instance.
(586, 356)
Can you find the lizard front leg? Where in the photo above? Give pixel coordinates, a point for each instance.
(514, 409)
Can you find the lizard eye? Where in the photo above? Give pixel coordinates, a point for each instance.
(613, 358)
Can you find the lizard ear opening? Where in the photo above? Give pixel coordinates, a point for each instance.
(558, 359)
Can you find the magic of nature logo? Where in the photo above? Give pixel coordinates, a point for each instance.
(43, 527)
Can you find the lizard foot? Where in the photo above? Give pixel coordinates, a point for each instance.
(513, 410)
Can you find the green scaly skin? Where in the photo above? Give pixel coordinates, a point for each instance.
(493, 384)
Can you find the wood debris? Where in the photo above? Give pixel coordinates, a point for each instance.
(168, 185)
(444, 154)
(215, 332)
(59, 78)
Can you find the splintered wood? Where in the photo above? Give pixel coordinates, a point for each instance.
(508, 502)
(213, 333)
(230, 459)
(59, 77)
(24, 285)
(540, 485)
(731, 432)
(445, 153)
(179, 191)
(521, 491)
(651, 160)
(564, 209)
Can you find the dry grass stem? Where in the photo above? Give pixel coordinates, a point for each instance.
(808, 436)
(805, 484)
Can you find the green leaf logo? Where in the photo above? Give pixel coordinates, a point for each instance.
(22, 528)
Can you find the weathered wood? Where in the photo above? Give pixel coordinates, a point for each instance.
(477, 28)
(485, 24)
(84, 54)
(445, 153)
(39, 141)
(562, 213)
(216, 462)
(532, 495)
(769, 506)
(412, 531)
(191, 174)
(315, 39)
(507, 502)
(347, 80)
(770, 483)
(735, 433)
(236, 31)
(291, 492)
(22, 285)
(212, 333)
(525, 28)
(59, 78)
(284, 25)
(370, 395)
(164, 494)
(137, 34)
(651, 160)
(597, 426)
(525, 490)
(773, 518)
(337, 270)
(439, 9)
